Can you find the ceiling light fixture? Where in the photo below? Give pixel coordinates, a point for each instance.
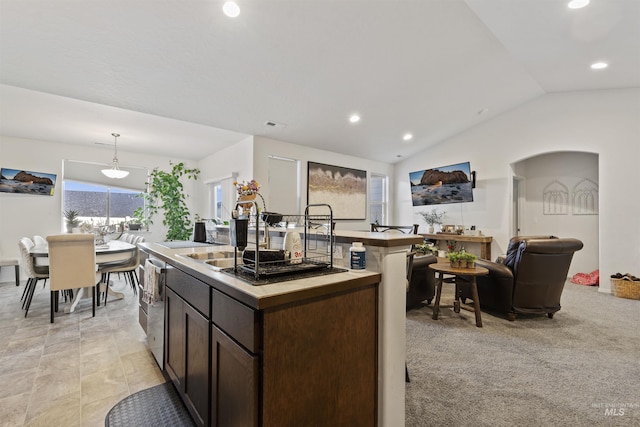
(577, 4)
(115, 171)
(599, 65)
(407, 137)
(354, 118)
(231, 9)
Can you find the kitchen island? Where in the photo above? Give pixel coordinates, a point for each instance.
(326, 350)
(299, 352)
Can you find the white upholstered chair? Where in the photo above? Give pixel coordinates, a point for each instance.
(39, 240)
(33, 274)
(72, 264)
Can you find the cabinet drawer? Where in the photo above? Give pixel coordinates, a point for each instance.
(192, 290)
(236, 319)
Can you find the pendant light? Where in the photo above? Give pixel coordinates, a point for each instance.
(115, 171)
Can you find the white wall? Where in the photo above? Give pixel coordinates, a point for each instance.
(605, 122)
(265, 147)
(236, 159)
(25, 215)
(568, 168)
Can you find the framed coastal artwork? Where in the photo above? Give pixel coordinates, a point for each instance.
(442, 185)
(27, 182)
(344, 189)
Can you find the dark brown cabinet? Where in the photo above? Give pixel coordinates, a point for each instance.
(311, 361)
(234, 383)
(196, 382)
(175, 338)
(187, 346)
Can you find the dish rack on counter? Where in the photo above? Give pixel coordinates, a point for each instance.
(261, 261)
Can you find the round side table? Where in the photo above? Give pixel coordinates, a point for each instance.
(471, 273)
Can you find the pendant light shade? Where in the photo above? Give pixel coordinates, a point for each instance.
(115, 171)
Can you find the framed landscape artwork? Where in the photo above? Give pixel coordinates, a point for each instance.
(27, 182)
(442, 185)
(344, 189)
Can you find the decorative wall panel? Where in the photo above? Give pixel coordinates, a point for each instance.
(555, 198)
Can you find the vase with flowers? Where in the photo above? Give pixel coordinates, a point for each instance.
(432, 218)
(247, 192)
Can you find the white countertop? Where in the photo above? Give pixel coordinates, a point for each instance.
(260, 296)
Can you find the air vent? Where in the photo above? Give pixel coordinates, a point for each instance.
(272, 124)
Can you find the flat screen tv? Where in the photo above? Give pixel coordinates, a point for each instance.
(26, 182)
(442, 185)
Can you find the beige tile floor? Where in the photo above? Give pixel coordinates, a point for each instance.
(72, 372)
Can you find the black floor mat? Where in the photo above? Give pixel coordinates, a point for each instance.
(156, 406)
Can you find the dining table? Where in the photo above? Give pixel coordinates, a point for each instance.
(111, 252)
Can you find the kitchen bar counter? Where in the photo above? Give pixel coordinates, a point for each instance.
(386, 265)
(262, 296)
(298, 352)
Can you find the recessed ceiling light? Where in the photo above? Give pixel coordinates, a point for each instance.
(231, 9)
(354, 118)
(599, 65)
(577, 4)
(407, 137)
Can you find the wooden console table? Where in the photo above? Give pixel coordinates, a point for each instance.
(484, 241)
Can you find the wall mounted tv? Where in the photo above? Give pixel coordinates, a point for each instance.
(26, 182)
(446, 184)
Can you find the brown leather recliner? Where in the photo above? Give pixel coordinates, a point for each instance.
(422, 284)
(529, 280)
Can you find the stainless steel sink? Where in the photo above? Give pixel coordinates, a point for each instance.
(203, 256)
(215, 259)
(222, 262)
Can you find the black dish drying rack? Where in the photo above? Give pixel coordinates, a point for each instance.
(317, 241)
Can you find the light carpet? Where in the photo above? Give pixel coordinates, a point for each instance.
(580, 368)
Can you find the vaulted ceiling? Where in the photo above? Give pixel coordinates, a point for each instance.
(181, 79)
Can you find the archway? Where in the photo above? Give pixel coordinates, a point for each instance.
(557, 194)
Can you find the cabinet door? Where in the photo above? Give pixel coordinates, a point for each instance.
(196, 384)
(234, 383)
(175, 338)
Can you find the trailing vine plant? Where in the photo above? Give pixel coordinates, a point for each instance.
(165, 191)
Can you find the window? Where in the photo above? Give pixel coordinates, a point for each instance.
(99, 204)
(378, 199)
(221, 198)
(217, 201)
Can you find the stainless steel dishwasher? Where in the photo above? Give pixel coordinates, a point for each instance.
(155, 331)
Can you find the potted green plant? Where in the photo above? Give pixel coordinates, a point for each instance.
(138, 220)
(462, 259)
(166, 191)
(425, 249)
(71, 218)
(454, 259)
(433, 217)
(470, 259)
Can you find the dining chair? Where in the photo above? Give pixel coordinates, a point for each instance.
(39, 240)
(128, 268)
(72, 264)
(33, 273)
